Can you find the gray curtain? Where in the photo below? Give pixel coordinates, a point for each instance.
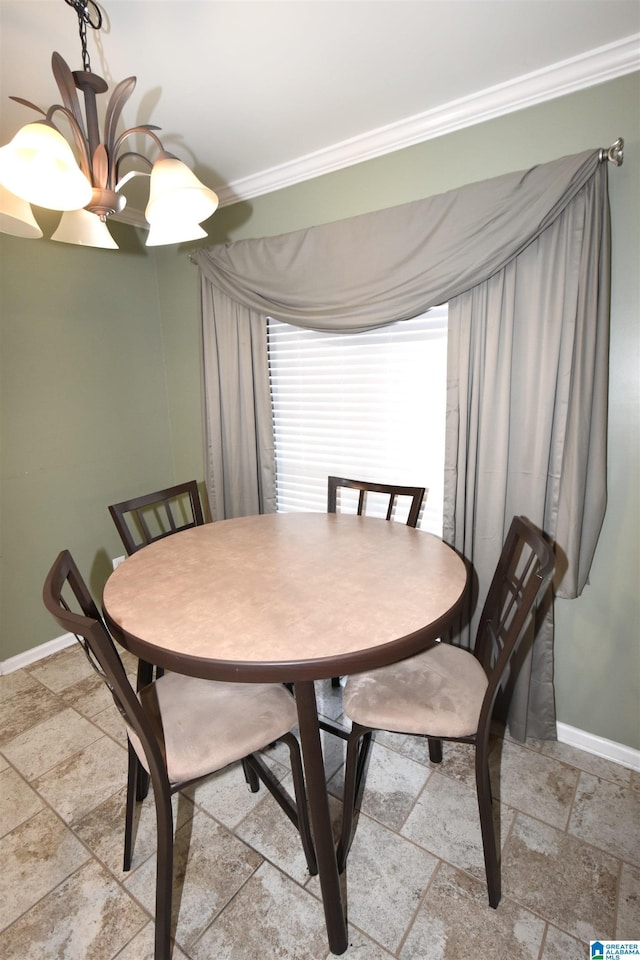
(526, 276)
(526, 419)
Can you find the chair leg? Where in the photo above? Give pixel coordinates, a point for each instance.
(164, 874)
(487, 827)
(132, 776)
(251, 776)
(143, 781)
(302, 807)
(358, 747)
(435, 750)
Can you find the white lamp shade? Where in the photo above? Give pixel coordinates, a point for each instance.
(175, 193)
(84, 228)
(177, 232)
(38, 165)
(16, 216)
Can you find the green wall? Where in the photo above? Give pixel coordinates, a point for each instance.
(84, 413)
(101, 387)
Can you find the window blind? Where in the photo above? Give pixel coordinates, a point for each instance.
(369, 406)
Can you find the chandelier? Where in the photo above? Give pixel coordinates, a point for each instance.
(38, 166)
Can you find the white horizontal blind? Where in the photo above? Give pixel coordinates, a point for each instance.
(369, 406)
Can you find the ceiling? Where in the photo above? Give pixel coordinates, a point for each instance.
(257, 94)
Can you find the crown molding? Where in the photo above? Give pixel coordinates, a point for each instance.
(567, 76)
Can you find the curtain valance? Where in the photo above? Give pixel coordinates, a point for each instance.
(395, 263)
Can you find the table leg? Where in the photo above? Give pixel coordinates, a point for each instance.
(320, 818)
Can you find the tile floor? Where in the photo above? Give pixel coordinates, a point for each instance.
(569, 823)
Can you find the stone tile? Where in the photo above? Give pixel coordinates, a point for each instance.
(110, 722)
(269, 831)
(561, 878)
(43, 746)
(3, 763)
(226, 796)
(210, 866)
(35, 858)
(393, 783)
(539, 786)
(13, 684)
(18, 801)
(26, 708)
(386, 876)
(87, 917)
(89, 696)
(456, 921)
(329, 701)
(560, 946)
(271, 916)
(608, 816)
(598, 766)
(401, 743)
(62, 669)
(458, 763)
(628, 922)
(85, 780)
(142, 947)
(445, 821)
(502, 731)
(360, 947)
(102, 829)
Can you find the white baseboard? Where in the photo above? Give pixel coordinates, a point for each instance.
(36, 653)
(598, 746)
(572, 736)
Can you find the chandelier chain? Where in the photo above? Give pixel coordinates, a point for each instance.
(88, 15)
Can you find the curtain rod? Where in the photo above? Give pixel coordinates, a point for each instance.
(615, 153)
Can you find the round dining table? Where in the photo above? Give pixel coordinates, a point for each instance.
(288, 597)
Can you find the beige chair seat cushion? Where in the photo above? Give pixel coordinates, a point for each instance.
(207, 724)
(437, 693)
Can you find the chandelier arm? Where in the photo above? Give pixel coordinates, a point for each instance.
(114, 108)
(144, 128)
(126, 156)
(27, 103)
(66, 85)
(78, 136)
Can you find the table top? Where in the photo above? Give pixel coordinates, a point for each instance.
(298, 596)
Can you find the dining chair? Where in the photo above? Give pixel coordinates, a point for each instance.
(448, 693)
(153, 516)
(181, 729)
(391, 491)
(142, 520)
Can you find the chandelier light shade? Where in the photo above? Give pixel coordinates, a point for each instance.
(85, 229)
(39, 166)
(178, 232)
(84, 178)
(16, 216)
(175, 193)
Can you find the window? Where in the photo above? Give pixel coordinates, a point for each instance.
(367, 405)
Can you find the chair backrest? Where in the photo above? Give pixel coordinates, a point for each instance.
(142, 520)
(525, 565)
(392, 491)
(67, 598)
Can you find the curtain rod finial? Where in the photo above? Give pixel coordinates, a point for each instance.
(615, 153)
